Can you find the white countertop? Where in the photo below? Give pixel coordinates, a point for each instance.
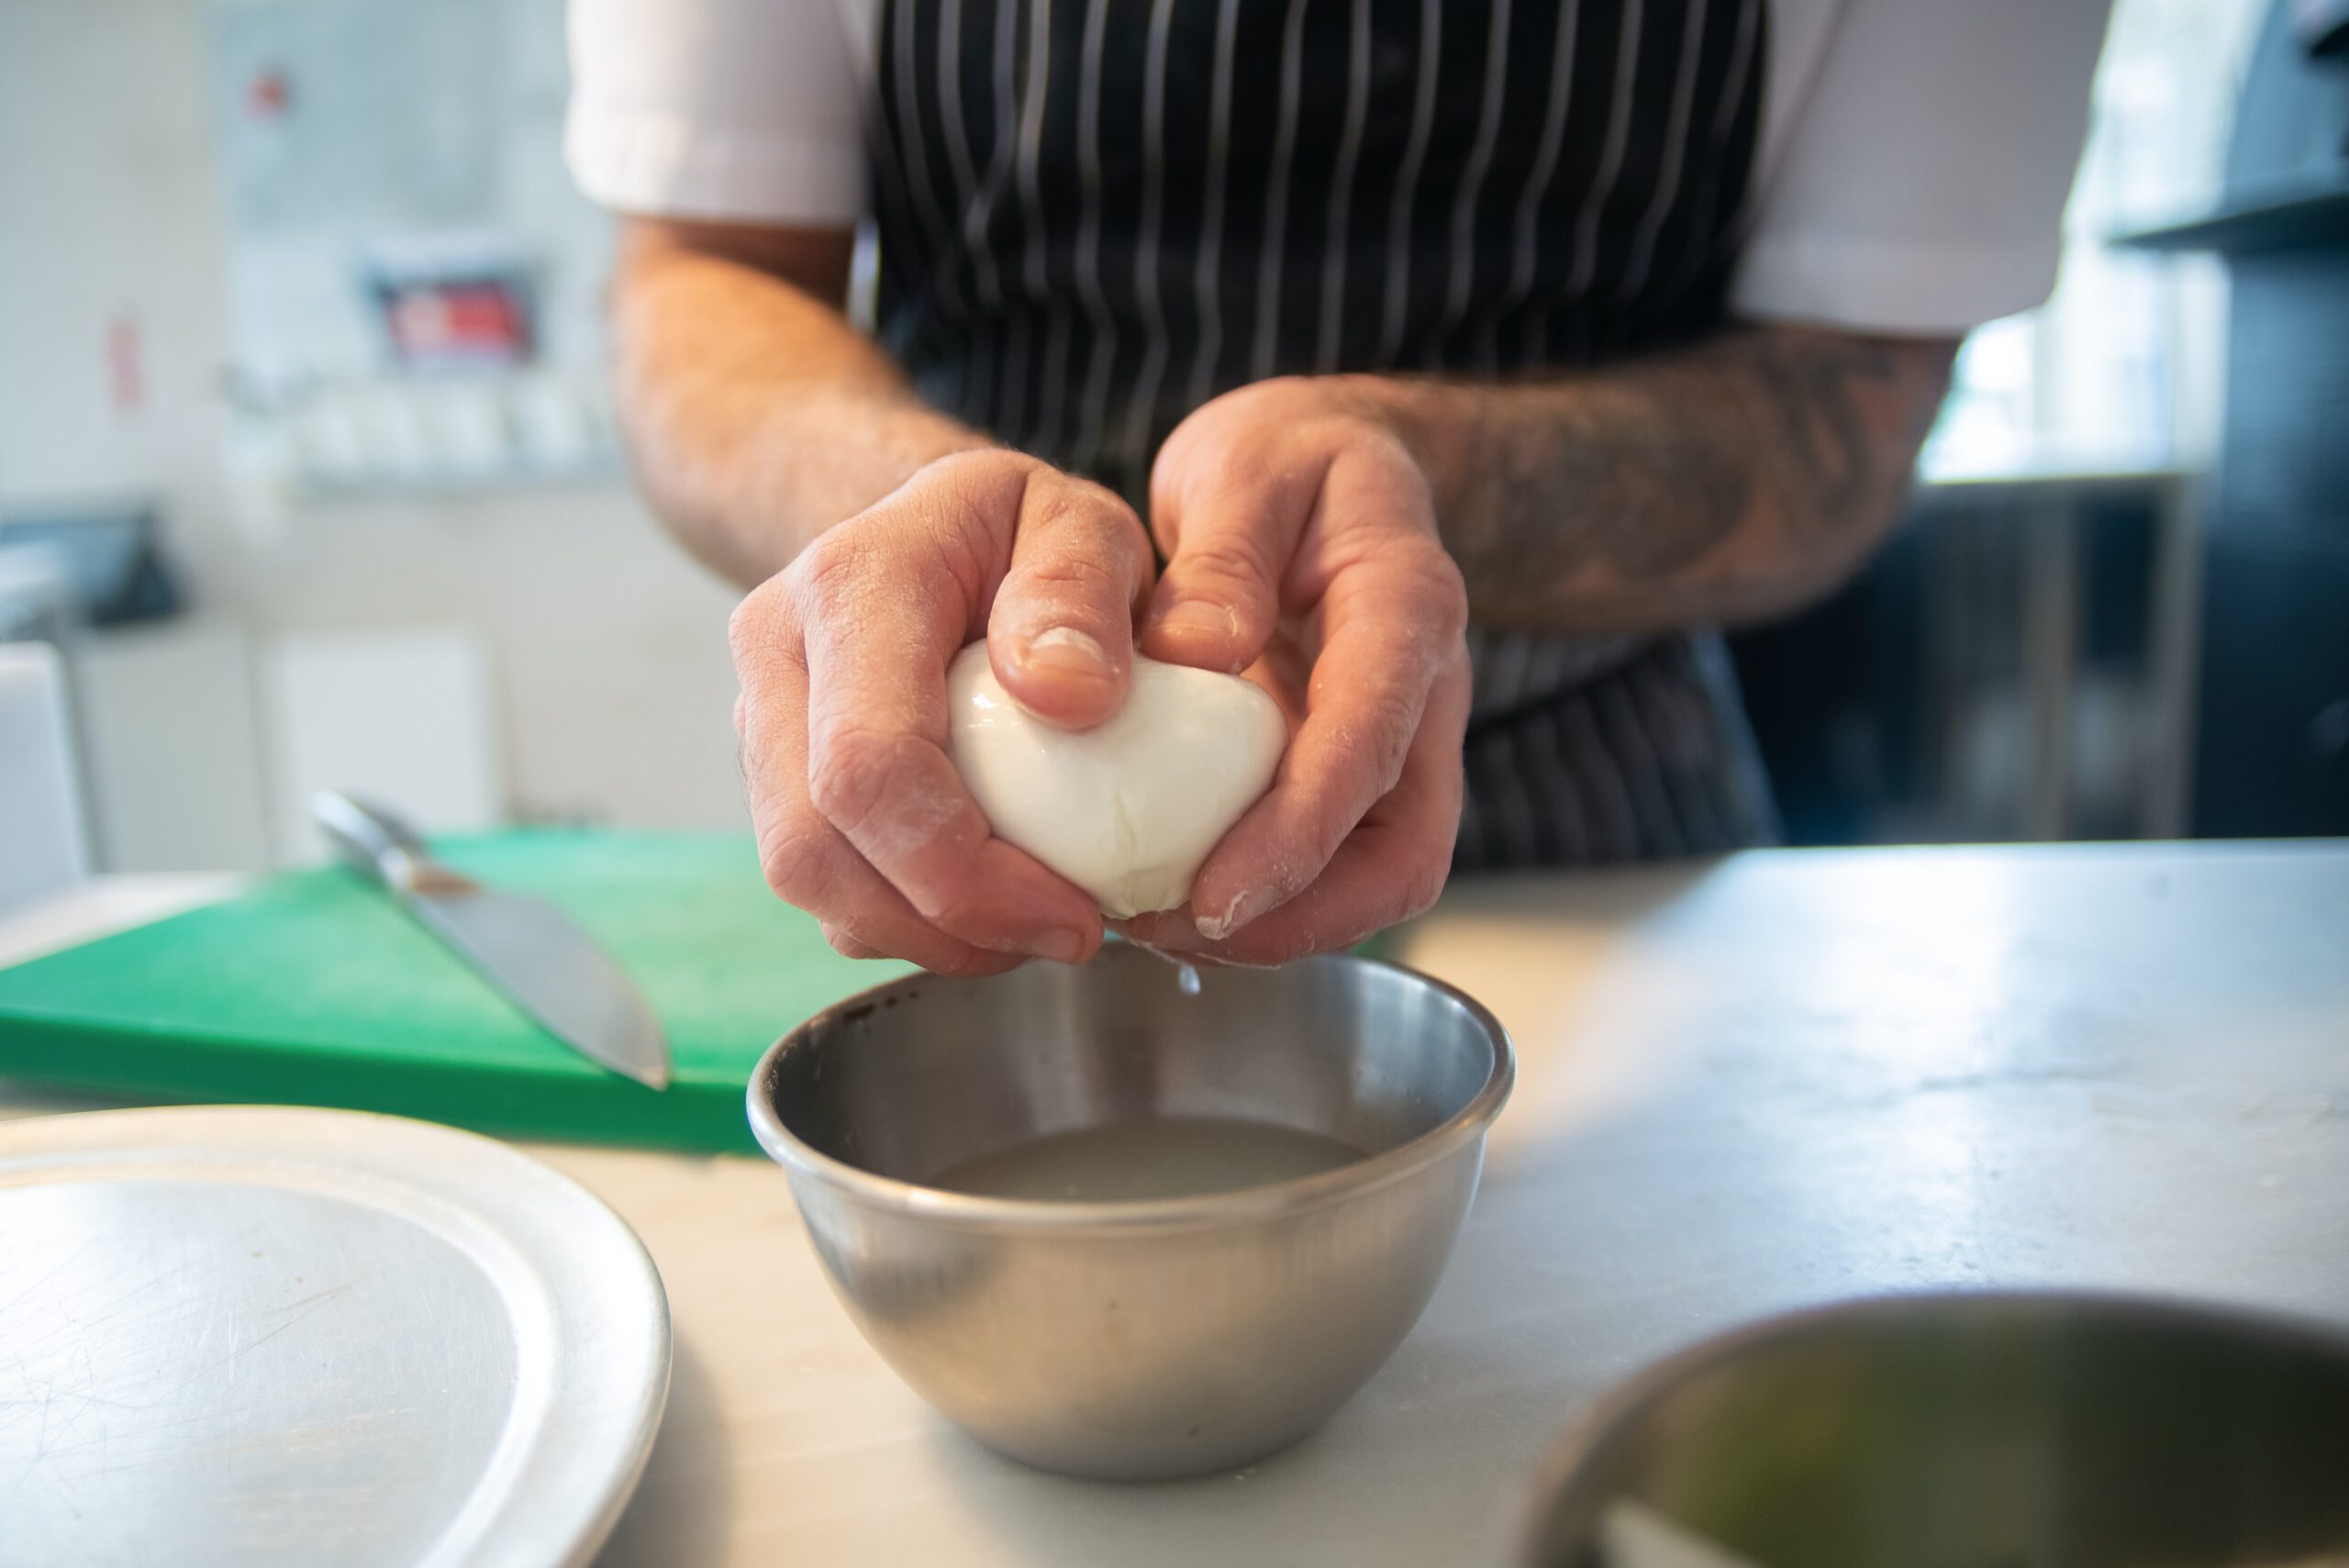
(1784, 1078)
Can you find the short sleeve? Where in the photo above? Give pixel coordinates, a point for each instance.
(1921, 186)
(742, 110)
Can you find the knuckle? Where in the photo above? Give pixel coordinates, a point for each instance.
(964, 908)
(1098, 530)
(821, 571)
(1295, 939)
(741, 628)
(1229, 560)
(1382, 444)
(797, 861)
(1384, 759)
(977, 491)
(1225, 465)
(981, 467)
(1447, 589)
(1418, 552)
(960, 550)
(973, 964)
(1167, 484)
(757, 623)
(1447, 618)
(1416, 588)
(821, 582)
(1423, 884)
(854, 773)
(1084, 577)
(1329, 832)
(957, 913)
(1061, 492)
(1379, 746)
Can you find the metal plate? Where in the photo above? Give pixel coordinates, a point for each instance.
(253, 1336)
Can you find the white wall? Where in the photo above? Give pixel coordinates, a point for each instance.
(614, 696)
(611, 689)
(107, 209)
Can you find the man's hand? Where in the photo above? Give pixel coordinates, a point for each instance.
(861, 817)
(1301, 544)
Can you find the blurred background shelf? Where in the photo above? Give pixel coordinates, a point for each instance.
(2121, 604)
(441, 487)
(2312, 214)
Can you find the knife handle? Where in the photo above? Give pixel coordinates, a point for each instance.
(372, 839)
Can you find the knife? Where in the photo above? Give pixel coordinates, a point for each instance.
(526, 947)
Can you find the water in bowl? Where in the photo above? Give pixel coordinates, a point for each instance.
(1154, 1157)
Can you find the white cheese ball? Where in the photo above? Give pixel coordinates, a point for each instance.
(1127, 811)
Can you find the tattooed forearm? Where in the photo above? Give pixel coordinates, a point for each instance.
(1730, 481)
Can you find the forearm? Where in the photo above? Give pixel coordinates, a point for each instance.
(756, 417)
(1731, 480)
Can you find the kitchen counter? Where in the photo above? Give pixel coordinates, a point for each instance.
(1778, 1079)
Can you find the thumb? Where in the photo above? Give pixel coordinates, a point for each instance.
(1061, 635)
(1220, 598)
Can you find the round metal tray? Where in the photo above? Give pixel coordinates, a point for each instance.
(252, 1336)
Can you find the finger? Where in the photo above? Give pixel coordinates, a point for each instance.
(1061, 635)
(900, 933)
(803, 858)
(1361, 892)
(877, 768)
(806, 860)
(846, 945)
(1390, 868)
(809, 864)
(1230, 524)
(1390, 624)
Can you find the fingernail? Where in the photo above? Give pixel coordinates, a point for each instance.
(1061, 947)
(1064, 650)
(1236, 914)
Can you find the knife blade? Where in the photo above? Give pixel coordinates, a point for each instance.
(530, 950)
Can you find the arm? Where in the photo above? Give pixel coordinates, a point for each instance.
(1735, 480)
(756, 415)
(879, 536)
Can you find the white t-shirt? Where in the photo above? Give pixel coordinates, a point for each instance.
(1914, 159)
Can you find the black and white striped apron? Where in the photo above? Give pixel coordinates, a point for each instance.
(1096, 214)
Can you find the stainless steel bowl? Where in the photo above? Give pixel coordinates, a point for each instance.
(1972, 1431)
(1143, 1340)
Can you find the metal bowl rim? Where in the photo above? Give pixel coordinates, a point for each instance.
(1248, 1205)
(1606, 1414)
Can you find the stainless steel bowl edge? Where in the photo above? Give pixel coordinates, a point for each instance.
(1143, 1340)
(1269, 1202)
(1584, 1470)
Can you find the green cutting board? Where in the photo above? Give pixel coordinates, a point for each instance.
(313, 988)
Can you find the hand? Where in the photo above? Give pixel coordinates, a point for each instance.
(1300, 538)
(861, 817)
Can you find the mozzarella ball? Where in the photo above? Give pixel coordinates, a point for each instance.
(1129, 810)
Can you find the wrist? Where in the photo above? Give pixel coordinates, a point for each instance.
(1438, 423)
(1432, 421)
(909, 436)
(809, 478)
